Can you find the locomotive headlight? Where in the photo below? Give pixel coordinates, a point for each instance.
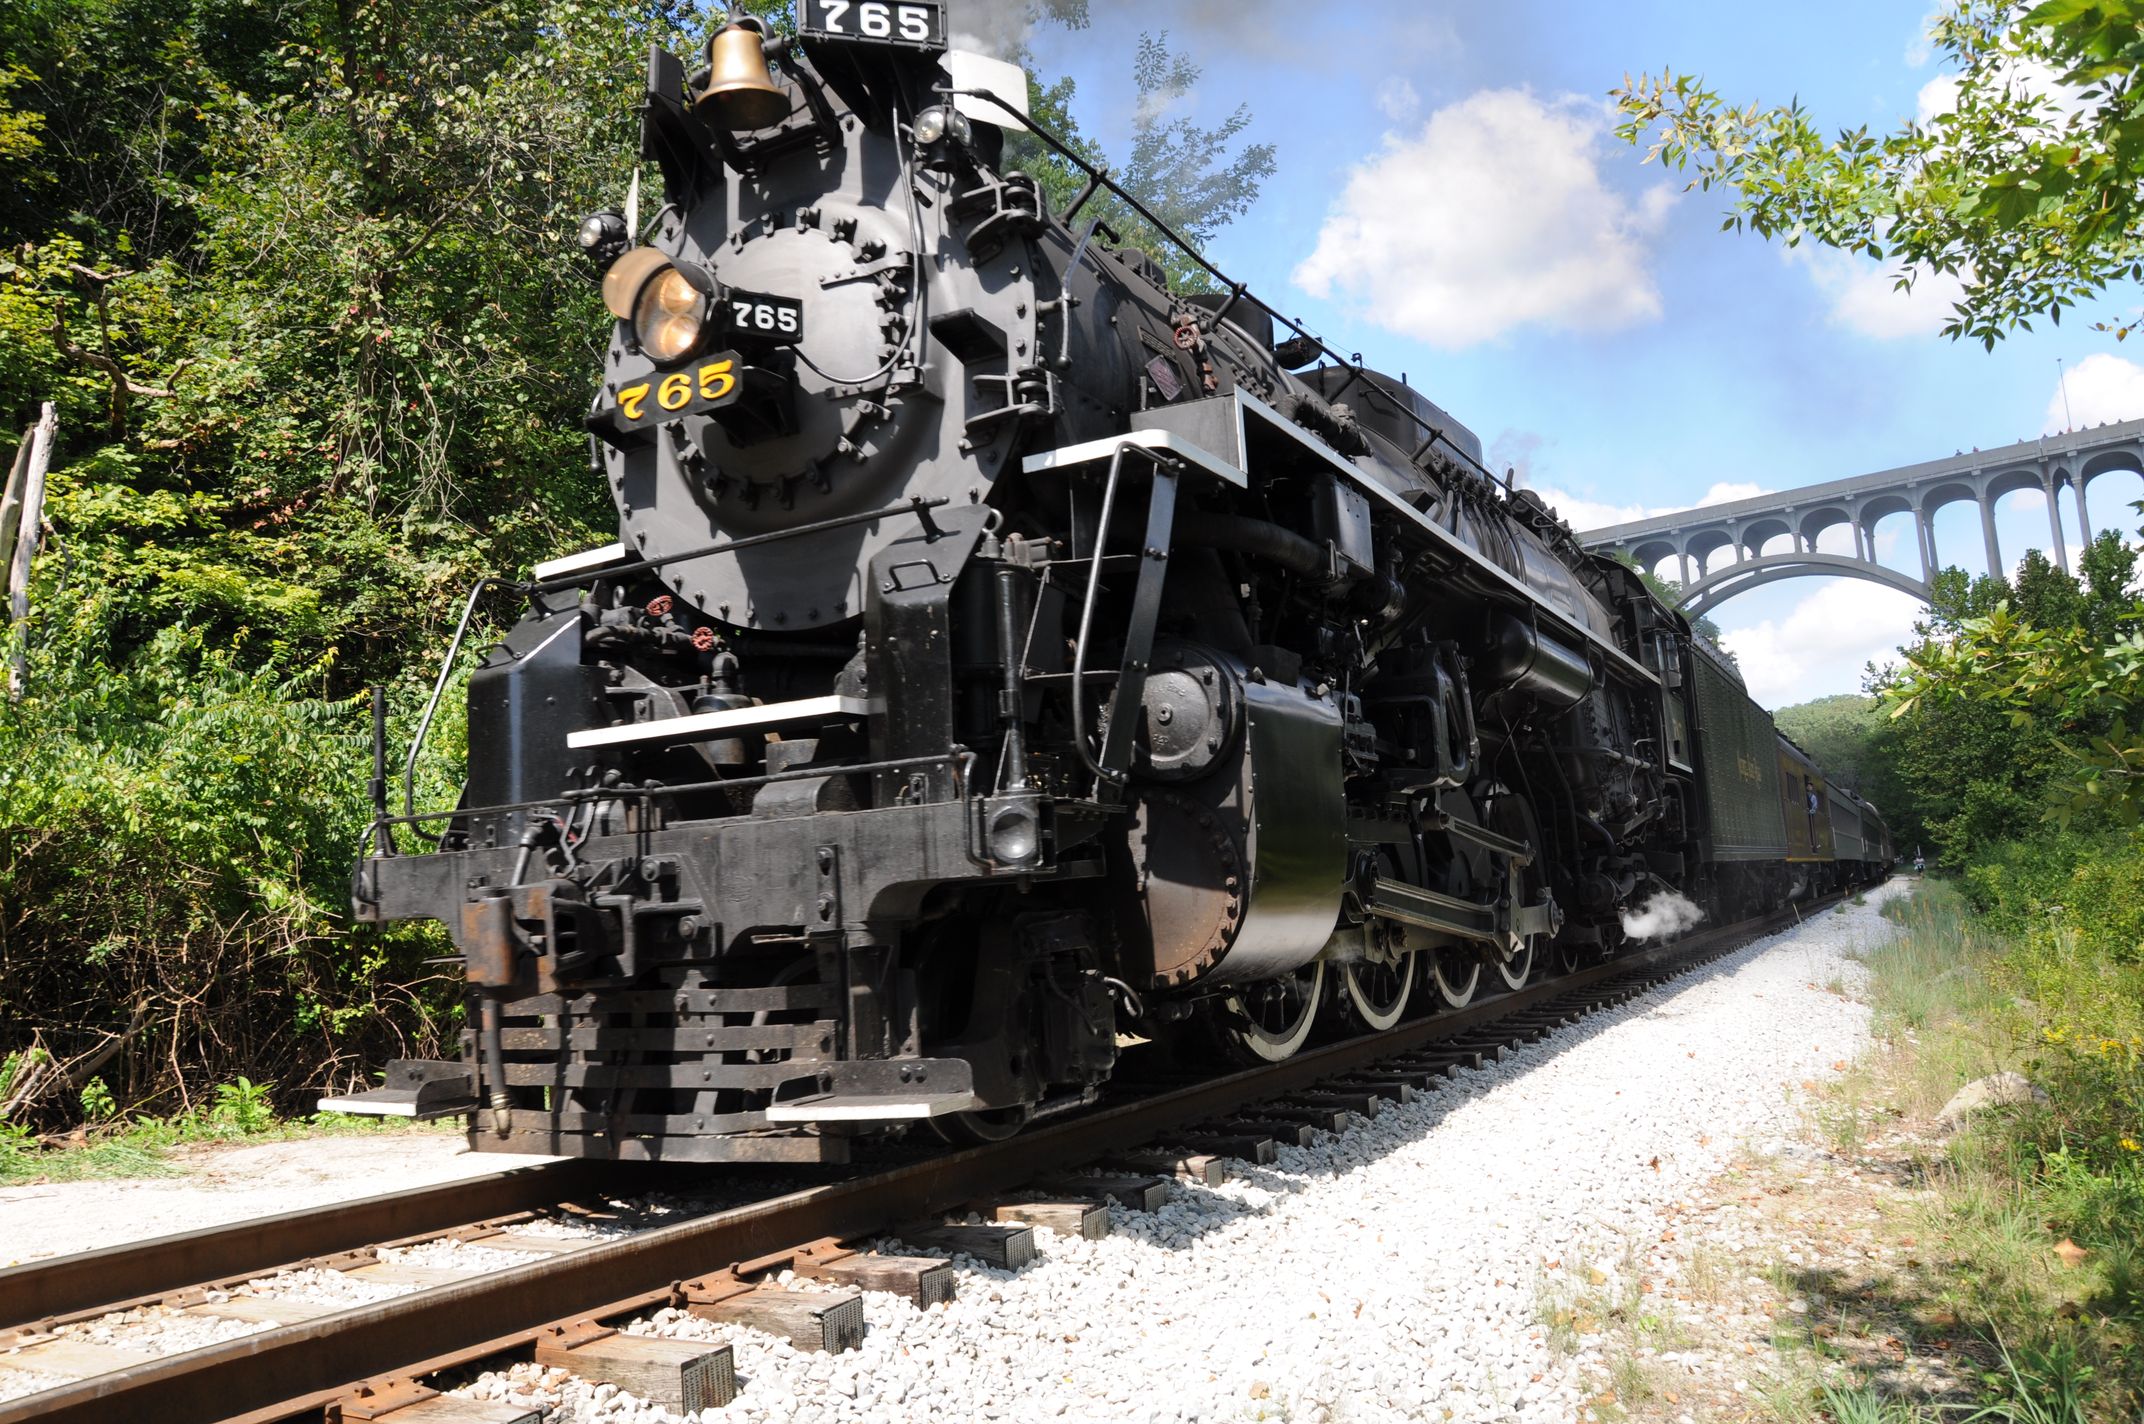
(603, 239)
(1013, 827)
(602, 229)
(939, 122)
(669, 316)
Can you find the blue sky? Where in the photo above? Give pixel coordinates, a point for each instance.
(1451, 203)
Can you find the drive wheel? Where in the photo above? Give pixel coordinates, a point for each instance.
(1377, 993)
(980, 1128)
(1516, 970)
(1454, 975)
(1270, 1021)
(1509, 816)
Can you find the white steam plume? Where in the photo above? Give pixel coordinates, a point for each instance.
(1000, 28)
(1665, 914)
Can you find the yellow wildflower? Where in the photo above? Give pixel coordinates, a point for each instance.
(2130, 1144)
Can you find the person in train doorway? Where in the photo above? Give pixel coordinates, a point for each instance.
(1809, 800)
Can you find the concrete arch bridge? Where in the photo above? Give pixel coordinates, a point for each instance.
(2055, 463)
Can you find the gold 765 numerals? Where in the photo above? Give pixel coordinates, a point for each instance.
(707, 386)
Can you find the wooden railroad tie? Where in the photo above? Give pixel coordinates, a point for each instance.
(1392, 1087)
(394, 1273)
(1197, 1168)
(1255, 1148)
(1417, 1080)
(1319, 1119)
(1285, 1134)
(1360, 1104)
(1085, 1219)
(924, 1280)
(261, 1310)
(446, 1409)
(1008, 1247)
(1140, 1193)
(678, 1374)
(406, 1401)
(831, 1321)
(72, 1359)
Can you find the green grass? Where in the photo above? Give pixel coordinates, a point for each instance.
(1956, 999)
(1864, 1404)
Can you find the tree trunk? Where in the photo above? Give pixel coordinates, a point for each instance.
(11, 498)
(28, 535)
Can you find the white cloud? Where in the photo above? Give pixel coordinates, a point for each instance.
(1584, 514)
(1821, 645)
(1493, 217)
(1727, 492)
(1397, 99)
(2101, 388)
(1921, 48)
(1938, 96)
(1864, 295)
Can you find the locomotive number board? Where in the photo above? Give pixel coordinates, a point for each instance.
(910, 24)
(706, 385)
(760, 317)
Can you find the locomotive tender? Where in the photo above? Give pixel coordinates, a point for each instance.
(1004, 655)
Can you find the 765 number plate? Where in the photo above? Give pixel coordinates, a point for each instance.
(916, 24)
(703, 386)
(761, 317)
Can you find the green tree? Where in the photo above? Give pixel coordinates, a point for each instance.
(2016, 706)
(1850, 736)
(310, 313)
(2029, 188)
(1194, 177)
(1670, 591)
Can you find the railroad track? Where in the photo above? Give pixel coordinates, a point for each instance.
(370, 1361)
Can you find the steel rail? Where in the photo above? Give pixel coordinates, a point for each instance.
(115, 1277)
(292, 1369)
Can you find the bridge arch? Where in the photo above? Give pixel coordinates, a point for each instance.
(1806, 516)
(1652, 554)
(1816, 521)
(1713, 590)
(1760, 532)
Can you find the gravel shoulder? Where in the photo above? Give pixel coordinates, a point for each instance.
(221, 1184)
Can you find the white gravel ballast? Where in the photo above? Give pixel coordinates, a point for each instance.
(1394, 1271)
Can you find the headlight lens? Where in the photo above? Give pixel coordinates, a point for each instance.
(1015, 830)
(930, 126)
(669, 316)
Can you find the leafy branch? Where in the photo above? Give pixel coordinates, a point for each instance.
(2026, 188)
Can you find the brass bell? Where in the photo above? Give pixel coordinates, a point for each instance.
(740, 93)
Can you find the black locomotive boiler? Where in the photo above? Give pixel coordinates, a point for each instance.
(1004, 656)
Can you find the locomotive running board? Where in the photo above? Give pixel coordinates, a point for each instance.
(702, 725)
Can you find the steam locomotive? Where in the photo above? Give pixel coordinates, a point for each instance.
(1005, 657)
